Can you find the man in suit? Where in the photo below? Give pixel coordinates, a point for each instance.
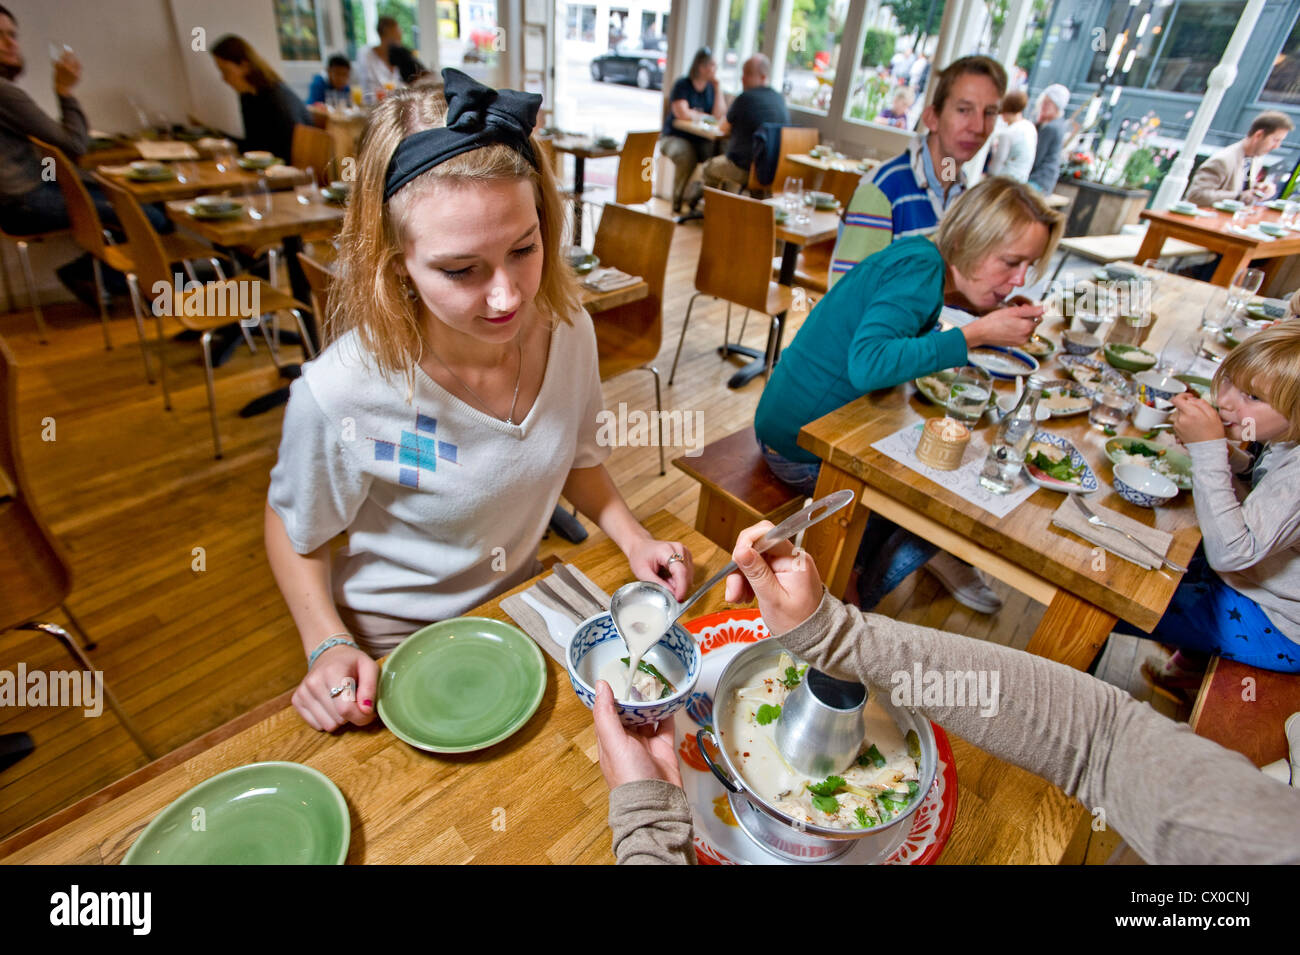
(1231, 173)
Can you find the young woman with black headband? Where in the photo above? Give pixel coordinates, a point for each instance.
(456, 399)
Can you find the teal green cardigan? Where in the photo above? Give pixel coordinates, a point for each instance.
(873, 329)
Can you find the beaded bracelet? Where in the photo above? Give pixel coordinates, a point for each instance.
(333, 640)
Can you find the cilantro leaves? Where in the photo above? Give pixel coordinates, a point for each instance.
(767, 713)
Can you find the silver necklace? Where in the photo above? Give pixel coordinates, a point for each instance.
(519, 374)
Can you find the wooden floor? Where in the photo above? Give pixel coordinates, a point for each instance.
(171, 578)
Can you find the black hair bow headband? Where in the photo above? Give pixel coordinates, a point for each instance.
(477, 116)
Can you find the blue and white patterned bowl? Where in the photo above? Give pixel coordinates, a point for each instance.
(595, 631)
(1141, 486)
(1087, 482)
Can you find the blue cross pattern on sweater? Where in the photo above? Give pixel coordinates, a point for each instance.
(416, 451)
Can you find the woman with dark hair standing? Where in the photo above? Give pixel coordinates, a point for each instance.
(694, 95)
(270, 109)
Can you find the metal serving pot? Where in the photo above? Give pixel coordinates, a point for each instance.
(776, 831)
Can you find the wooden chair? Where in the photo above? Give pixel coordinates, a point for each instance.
(35, 573)
(312, 149)
(189, 308)
(631, 186)
(794, 140)
(319, 276)
(21, 242)
(842, 184)
(735, 262)
(89, 232)
(628, 337)
(737, 488)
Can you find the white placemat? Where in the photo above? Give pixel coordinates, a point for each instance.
(955, 317)
(965, 481)
(165, 149)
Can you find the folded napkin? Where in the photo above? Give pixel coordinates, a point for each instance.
(573, 587)
(281, 171)
(1252, 232)
(211, 143)
(165, 149)
(609, 279)
(1069, 517)
(114, 170)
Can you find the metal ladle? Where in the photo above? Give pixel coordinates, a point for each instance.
(644, 591)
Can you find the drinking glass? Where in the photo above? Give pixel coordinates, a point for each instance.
(969, 394)
(1244, 286)
(1177, 356)
(306, 193)
(186, 172)
(1112, 400)
(793, 193)
(1217, 311)
(1287, 218)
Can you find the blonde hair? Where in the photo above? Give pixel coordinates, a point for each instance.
(983, 219)
(369, 294)
(1267, 365)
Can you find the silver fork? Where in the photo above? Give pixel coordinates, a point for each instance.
(1098, 522)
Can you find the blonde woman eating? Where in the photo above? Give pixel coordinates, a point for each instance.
(455, 402)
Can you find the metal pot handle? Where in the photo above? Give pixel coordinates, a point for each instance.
(728, 781)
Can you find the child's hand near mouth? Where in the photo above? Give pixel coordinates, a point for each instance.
(1195, 419)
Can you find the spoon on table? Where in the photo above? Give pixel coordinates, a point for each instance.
(661, 600)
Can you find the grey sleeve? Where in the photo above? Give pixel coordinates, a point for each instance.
(651, 821)
(1175, 796)
(1239, 534)
(1047, 159)
(19, 112)
(317, 486)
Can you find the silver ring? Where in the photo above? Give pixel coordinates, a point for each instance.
(677, 557)
(335, 691)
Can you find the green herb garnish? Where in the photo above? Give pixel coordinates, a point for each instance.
(827, 787)
(651, 669)
(827, 804)
(1061, 470)
(912, 787)
(872, 757)
(791, 679)
(892, 805)
(1108, 431)
(865, 821)
(1143, 449)
(767, 713)
(913, 744)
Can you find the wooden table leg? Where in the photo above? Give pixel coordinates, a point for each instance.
(1229, 265)
(1152, 243)
(833, 543)
(1072, 631)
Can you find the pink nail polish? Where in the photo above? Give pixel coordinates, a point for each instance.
(367, 704)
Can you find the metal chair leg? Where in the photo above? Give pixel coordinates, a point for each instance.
(726, 330)
(307, 345)
(32, 299)
(162, 362)
(58, 633)
(137, 309)
(266, 335)
(744, 320)
(659, 407)
(99, 293)
(206, 341)
(86, 642)
(773, 337)
(681, 338)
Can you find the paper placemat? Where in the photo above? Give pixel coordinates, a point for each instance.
(165, 149)
(964, 482)
(955, 317)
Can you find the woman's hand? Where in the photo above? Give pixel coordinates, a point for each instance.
(784, 579)
(67, 73)
(1005, 326)
(1195, 419)
(648, 557)
(626, 755)
(339, 666)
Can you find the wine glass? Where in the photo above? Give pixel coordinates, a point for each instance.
(1217, 311)
(793, 193)
(1244, 286)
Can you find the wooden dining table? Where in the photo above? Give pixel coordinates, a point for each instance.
(834, 163)
(536, 797)
(1213, 231)
(201, 178)
(581, 148)
(1084, 596)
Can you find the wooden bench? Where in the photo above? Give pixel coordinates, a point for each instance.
(737, 488)
(1121, 247)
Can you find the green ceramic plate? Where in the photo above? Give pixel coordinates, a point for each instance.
(1128, 357)
(260, 814)
(1168, 461)
(161, 175)
(199, 212)
(461, 685)
(245, 163)
(1266, 311)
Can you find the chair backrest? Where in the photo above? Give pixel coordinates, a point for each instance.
(637, 243)
(635, 163)
(151, 265)
(794, 139)
(841, 183)
(736, 249)
(754, 186)
(319, 277)
(312, 148)
(87, 228)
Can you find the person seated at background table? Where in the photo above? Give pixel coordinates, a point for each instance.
(456, 399)
(878, 327)
(1231, 173)
(694, 95)
(1240, 598)
(336, 80)
(1053, 131)
(758, 104)
(269, 108)
(409, 67)
(375, 68)
(909, 194)
(901, 99)
(1015, 141)
(1175, 797)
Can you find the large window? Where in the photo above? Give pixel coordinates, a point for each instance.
(1283, 83)
(580, 23)
(814, 56)
(1180, 43)
(745, 29)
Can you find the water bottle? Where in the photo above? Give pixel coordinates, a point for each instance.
(1007, 454)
